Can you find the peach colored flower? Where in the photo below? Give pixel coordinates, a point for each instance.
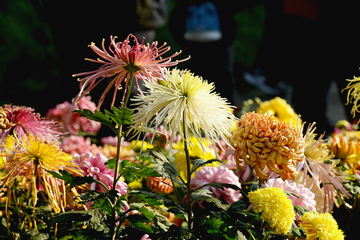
(160, 185)
(261, 140)
(144, 61)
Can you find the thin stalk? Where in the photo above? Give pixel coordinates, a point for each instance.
(188, 182)
(117, 161)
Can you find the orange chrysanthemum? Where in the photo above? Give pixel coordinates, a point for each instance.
(262, 140)
(160, 185)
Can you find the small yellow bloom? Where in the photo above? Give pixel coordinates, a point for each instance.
(141, 145)
(196, 151)
(274, 207)
(320, 226)
(279, 108)
(353, 94)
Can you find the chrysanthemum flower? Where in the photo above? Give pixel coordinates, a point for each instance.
(279, 108)
(196, 151)
(353, 94)
(160, 185)
(30, 156)
(71, 121)
(325, 174)
(261, 140)
(144, 61)
(4, 121)
(304, 197)
(95, 166)
(219, 174)
(274, 207)
(75, 144)
(320, 226)
(25, 121)
(184, 104)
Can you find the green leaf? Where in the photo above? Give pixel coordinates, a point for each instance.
(92, 217)
(200, 162)
(291, 194)
(300, 210)
(297, 232)
(120, 115)
(98, 117)
(221, 186)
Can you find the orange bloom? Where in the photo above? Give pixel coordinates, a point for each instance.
(159, 185)
(262, 140)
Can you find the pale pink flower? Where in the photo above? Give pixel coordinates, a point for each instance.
(306, 198)
(75, 144)
(24, 120)
(110, 140)
(145, 237)
(219, 174)
(95, 166)
(71, 121)
(145, 61)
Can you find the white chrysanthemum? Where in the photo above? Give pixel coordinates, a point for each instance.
(184, 100)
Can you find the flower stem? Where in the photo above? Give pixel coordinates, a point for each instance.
(188, 182)
(117, 160)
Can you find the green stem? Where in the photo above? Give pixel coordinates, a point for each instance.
(117, 161)
(188, 182)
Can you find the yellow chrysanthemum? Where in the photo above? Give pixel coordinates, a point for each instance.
(29, 157)
(262, 140)
(320, 226)
(274, 207)
(4, 121)
(195, 152)
(140, 145)
(279, 108)
(353, 94)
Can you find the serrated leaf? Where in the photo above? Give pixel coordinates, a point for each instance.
(200, 162)
(120, 115)
(93, 216)
(221, 186)
(300, 210)
(97, 116)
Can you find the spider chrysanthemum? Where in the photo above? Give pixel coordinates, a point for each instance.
(324, 175)
(145, 62)
(30, 157)
(184, 104)
(353, 94)
(274, 207)
(320, 226)
(261, 140)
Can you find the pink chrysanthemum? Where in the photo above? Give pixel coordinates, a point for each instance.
(24, 120)
(218, 175)
(144, 61)
(75, 144)
(306, 198)
(71, 121)
(95, 166)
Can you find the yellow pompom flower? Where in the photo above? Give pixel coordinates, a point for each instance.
(279, 108)
(274, 207)
(262, 140)
(320, 226)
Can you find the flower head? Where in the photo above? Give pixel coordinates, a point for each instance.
(144, 61)
(322, 173)
(95, 166)
(304, 197)
(274, 207)
(279, 108)
(185, 103)
(353, 94)
(4, 121)
(261, 140)
(160, 185)
(320, 226)
(219, 174)
(29, 157)
(22, 120)
(71, 121)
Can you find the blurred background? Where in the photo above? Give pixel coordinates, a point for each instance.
(42, 44)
